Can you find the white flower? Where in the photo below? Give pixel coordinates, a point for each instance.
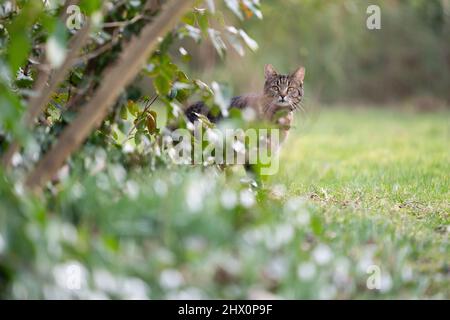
(322, 254)
(341, 272)
(186, 294)
(327, 292)
(194, 197)
(119, 173)
(56, 52)
(277, 268)
(247, 198)
(386, 282)
(19, 189)
(366, 259)
(195, 243)
(132, 189)
(302, 218)
(63, 173)
(127, 147)
(68, 233)
(77, 190)
(134, 289)
(105, 281)
(407, 273)
(228, 199)
(171, 279)
(306, 271)
(16, 159)
(160, 187)
(283, 234)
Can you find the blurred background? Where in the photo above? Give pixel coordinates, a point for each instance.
(407, 60)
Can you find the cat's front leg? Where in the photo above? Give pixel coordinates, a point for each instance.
(284, 123)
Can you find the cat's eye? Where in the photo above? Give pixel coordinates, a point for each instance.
(292, 91)
(275, 88)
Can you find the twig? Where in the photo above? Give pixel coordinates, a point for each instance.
(100, 50)
(149, 104)
(122, 24)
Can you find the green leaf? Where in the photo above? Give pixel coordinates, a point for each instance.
(123, 113)
(133, 108)
(20, 43)
(90, 6)
(189, 18)
(203, 86)
(11, 109)
(165, 44)
(162, 85)
(204, 120)
(138, 137)
(18, 50)
(182, 77)
(202, 21)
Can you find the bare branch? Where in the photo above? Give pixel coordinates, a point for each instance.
(123, 24)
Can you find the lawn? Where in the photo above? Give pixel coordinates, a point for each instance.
(359, 209)
(365, 167)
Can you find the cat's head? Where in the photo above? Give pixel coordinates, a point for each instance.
(285, 91)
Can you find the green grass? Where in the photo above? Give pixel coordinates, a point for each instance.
(370, 165)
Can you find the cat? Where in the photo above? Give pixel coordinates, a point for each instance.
(276, 104)
(280, 98)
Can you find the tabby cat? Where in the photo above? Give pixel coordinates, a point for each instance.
(276, 104)
(281, 96)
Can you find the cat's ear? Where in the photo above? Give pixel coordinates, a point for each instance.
(299, 74)
(269, 71)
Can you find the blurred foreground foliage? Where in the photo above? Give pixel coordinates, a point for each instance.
(191, 234)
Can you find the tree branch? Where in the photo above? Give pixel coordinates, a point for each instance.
(116, 78)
